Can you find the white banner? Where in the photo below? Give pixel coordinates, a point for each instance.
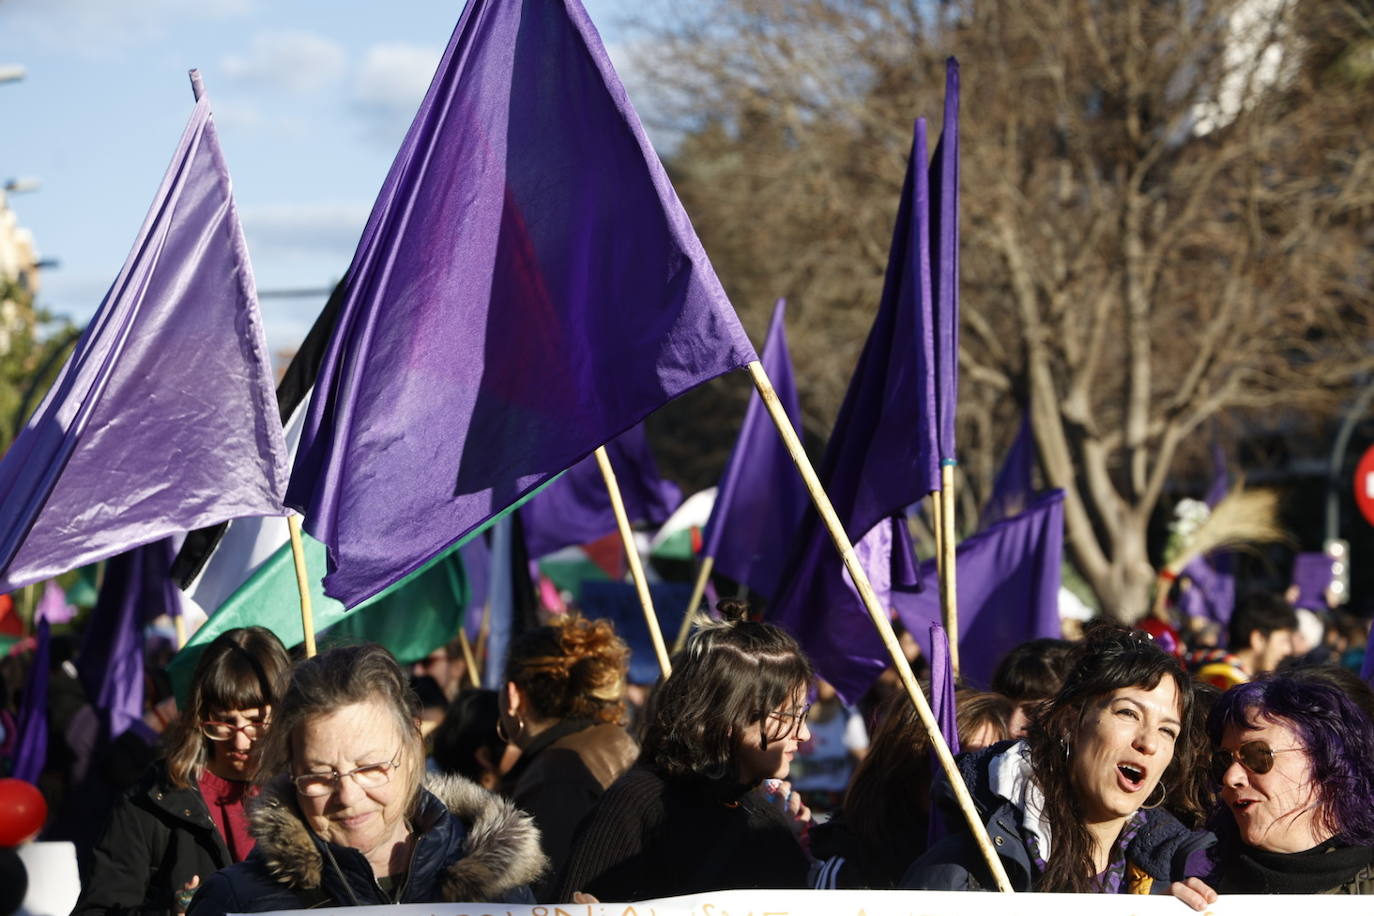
(875, 903)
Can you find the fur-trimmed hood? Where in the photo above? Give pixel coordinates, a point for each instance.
(489, 850)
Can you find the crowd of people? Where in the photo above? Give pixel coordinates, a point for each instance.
(1119, 762)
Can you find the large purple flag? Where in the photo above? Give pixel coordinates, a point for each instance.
(138, 587)
(31, 753)
(1008, 588)
(761, 496)
(576, 508)
(944, 230)
(1013, 489)
(164, 419)
(527, 288)
(881, 458)
(1212, 593)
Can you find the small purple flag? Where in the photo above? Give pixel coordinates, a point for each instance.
(527, 288)
(53, 606)
(576, 508)
(138, 588)
(1212, 592)
(1313, 576)
(164, 418)
(1013, 489)
(881, 458)
(944, 231)
(31, 754)
(761, 496)
(1008, 588)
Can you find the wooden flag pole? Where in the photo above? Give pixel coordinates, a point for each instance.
(937, 525)
(179, 623)
(469, 658)
(483, 633)
(293, 524)
(879, 617)
(949, 600)
(622, 521)
(694, 603)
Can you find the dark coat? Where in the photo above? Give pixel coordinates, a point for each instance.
(1163, 849)
(157, 839)
(471, 846)
(560, 776)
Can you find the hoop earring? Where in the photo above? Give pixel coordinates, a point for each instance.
(1163, 794)
(501, 729)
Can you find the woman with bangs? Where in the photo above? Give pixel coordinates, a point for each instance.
(1294, 761)
(685, 818)
(1076, 807)
(186, 819)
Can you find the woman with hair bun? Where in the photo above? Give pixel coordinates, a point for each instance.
(562, 707)
(685, 819)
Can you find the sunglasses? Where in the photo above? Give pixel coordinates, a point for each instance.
(1255, 756)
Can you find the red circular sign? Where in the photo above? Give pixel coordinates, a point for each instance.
(1364, 484)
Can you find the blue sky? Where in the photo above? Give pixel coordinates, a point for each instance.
(311, 98)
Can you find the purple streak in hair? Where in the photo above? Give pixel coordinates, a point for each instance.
(1338, 737)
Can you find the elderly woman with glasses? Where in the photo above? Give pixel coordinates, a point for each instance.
(186, 819)
(345, 817)
(1294, 762)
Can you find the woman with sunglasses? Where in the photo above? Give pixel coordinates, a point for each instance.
(186, 819)
(1077, 806)
(1295, 764)
(345, 816)
(686, 817)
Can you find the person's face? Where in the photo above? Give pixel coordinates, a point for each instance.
(1271, 649)
(1124, 743)
(766, 748)
(235, 757)
(368, 819)
(1020, 718)
(1276, 810)
(986, 735)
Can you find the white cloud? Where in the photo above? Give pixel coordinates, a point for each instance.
(314, 227)
(98, 28)
(390, 84)
(295, 61)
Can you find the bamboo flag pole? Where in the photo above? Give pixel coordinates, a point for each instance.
(469, 658)
(937, 524)
(179, 623)
(622, 521)
(949, 600)
(708, 562)
(293, 523)
(879, 617)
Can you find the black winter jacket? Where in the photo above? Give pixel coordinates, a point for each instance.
(157, 839)
(472, 846)
(1163, 849)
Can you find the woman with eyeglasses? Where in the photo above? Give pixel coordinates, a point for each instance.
(186, 819)
(1294, 761)
(345, 816)
(706, 806)
(1078, 806)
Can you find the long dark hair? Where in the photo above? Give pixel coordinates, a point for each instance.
(243, 668)
(731, 674)
(1110, 658)
(1335, 732)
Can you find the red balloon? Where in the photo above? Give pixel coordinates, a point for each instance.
(22, 812)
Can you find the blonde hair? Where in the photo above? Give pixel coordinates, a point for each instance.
(574, 669)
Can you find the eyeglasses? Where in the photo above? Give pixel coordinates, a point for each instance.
(370, 776)
(792, 719)
(1255, 756)
(225, 731)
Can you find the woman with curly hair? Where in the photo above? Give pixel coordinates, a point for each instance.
(685, 818)
(1075, 807)
(562, 707)
(1294, 761)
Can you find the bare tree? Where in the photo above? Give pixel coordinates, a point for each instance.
(1167, 212)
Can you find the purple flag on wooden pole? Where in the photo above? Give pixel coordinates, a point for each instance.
(527, 288)
(1013, 489)
(944, 233)
(164, 418)
(881, 458)
(761, 496)
(1008, 588)
(31, 753)
(576, 508)
(1212, 594)
(944, 703)
(138, 587)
